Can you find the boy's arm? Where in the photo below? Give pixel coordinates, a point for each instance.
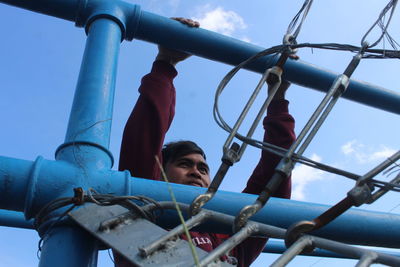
(152, 115)
(279, 130)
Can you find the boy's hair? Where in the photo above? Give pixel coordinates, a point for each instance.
(174, 150)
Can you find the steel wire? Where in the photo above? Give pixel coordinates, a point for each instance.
(275, 50)
(390, 6)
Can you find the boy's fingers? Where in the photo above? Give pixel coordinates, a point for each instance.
(187, 21)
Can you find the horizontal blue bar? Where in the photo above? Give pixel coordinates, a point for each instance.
(161, 30)
(55, 179)
(36, 184)
(278, 247)
(63, 9)
(14, 219)
(356, 226)
(228, 50)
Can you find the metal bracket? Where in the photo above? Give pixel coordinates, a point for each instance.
(127, 233)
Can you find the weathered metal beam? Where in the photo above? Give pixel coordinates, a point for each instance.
(161, 30)
(38, 183)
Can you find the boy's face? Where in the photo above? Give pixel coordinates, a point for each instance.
(190, 169)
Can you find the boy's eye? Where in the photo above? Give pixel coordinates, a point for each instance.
(184, 164)
(203, 170)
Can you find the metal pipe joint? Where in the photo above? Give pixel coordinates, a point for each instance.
(127, 16)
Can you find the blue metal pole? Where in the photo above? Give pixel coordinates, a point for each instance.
(157, 29)
(14, 219)
(55, 179)
(88, 134)
(86, 141)
(66, 246)
(356, 226)
(64, 9)
(279, 247)
(14, 186)
(228, 50)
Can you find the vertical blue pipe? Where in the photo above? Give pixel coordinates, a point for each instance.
(68, 246)
(87, 137)
(89, 126)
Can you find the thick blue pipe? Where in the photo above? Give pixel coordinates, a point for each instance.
(68, 246)
(10, 218)
(279, 247)
(228, 50)
(356, 226)
(63, 9)
(157, 29)
(16, 219)
(89, 124)
(87, 140)
(55, 179)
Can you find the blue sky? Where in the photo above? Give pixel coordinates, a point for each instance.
(40, 59)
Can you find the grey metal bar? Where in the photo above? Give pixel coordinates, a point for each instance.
(383, 190)
(354, 252)
(293, 251)
(367, 259)
(229, 244)
(246, 109)
(274, 88)
(386, 163)
(192, 222)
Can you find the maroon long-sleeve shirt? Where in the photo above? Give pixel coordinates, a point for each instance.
(144, 137)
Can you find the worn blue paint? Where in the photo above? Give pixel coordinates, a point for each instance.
(279, 247)
(68, 246)
(57, 178)
(14, 219)
(64, 9)
(157, 29)
(89, 124)
(88, 136)
(84, 160)
(84, 150)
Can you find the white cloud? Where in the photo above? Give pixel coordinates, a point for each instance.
(348, 148)
(384, 153)
(220, 20)
(366, 154)
(302, 175)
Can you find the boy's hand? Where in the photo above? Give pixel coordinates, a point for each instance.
(173, 56)
(280, 94)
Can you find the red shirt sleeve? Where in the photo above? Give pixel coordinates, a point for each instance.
(279, 130)
(148, 123)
